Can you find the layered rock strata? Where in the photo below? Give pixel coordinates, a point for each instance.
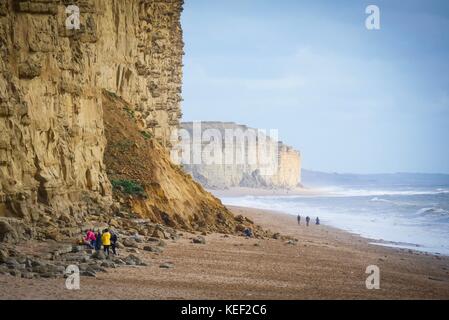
(249, 157)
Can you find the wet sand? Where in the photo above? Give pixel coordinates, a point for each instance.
(325, 264)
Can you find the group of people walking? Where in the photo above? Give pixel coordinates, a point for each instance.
(106, 239)
(317, 220)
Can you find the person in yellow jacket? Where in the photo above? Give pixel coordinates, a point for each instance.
(106, 240)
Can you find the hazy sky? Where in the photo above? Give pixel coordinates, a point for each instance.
(350, 99)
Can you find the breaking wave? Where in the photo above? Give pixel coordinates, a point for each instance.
(433, 211)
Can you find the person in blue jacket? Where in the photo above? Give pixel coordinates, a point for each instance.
(98, 243)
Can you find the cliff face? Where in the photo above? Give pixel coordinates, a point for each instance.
(52, 80)
(141, 50)
(289, 167)
(52, 141)
(264, 163)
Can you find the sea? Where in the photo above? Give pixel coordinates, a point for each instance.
(406, 217)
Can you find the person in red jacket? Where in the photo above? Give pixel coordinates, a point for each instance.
(90, 239)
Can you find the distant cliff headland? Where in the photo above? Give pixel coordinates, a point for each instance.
(241, 157)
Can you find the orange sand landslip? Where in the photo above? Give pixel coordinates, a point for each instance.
(325, 264)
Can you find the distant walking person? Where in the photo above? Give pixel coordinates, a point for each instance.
(317, 222)
(106, 240)
(307, 220)
(299, 219)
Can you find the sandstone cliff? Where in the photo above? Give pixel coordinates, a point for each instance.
(266, 163)
(52, 141)
(52, 133)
